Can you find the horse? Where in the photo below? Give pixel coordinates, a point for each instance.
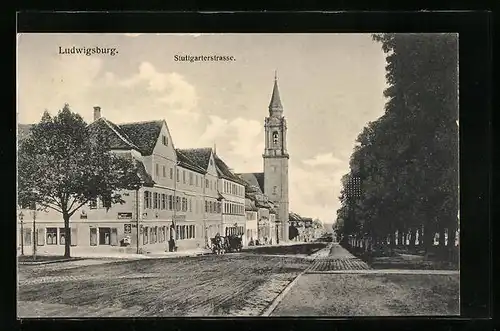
(218, 245)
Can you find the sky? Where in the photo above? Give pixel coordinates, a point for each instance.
(331, 86)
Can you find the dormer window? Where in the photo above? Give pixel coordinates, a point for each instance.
(164, 140)
(275, 137)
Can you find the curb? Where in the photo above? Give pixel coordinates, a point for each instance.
(387, 272)
(48, 262)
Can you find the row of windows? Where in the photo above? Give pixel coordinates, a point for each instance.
(239, 230)
(234, 208)
(106, 235)
(166, 202)
(153, 235)
(154, 200)
(47, 236)
(234, 189)
(52, 238)
(185, 232)
(192, 178)
(212, 207)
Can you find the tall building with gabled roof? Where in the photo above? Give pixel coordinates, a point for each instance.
(273, 182)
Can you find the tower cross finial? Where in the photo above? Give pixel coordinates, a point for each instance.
(275, 74)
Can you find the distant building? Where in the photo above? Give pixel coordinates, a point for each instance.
(267, 228)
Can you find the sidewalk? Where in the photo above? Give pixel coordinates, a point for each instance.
(286, 243)
(132, 256)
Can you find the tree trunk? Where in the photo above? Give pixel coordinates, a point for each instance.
(400, 238)
(411, 238)
(428, 238)
(392, 239)
(442, 241)
(452, 233)
(67, 234)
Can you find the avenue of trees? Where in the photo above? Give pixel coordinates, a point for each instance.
(406, 161)
(62, 165)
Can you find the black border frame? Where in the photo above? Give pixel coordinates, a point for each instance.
(475, 60)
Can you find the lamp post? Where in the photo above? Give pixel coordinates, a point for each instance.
(34, 231)
(21, 218)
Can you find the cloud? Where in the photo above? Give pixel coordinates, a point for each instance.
(314, 191)
(146, 94)
(51, 84)
(133, 35)
(169, 90)
(323, 159)
(240, 142)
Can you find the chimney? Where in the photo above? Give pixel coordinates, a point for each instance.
(97, 113)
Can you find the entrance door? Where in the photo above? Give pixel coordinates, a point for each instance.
(104, 236)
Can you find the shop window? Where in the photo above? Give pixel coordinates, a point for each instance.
(145, 235)
(114, 237)
(62, 236)
(51, 236)
(93, 236)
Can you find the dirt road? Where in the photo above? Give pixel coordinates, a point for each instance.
(202, 286)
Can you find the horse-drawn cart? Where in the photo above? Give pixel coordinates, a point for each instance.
(218, 246)
(234, 243)
(221, 245)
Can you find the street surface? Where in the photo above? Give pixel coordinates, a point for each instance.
(238, 284)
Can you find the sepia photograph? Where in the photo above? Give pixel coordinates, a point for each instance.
(237, 175)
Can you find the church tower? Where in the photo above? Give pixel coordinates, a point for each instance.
(276, 161)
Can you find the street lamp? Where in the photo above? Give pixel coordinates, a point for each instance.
(21, 218)
(34, 230)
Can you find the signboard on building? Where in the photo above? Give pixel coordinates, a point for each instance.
(122, 216)
(179, 218)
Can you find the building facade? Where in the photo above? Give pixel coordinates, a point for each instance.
(251, 221)
(232, 191)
